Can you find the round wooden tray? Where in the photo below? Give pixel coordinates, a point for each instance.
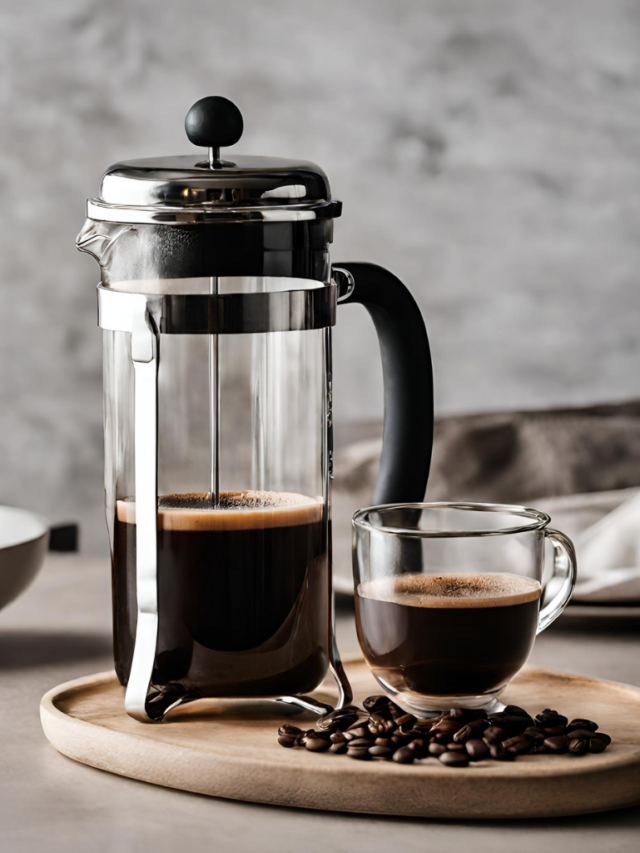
(227, 748)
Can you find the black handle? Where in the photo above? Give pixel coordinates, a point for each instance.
(408, 382)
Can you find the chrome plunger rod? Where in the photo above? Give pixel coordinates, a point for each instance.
(214, 409)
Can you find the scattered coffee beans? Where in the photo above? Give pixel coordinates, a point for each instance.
(385, 732)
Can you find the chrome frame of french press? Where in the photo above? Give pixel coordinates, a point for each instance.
(145, 317)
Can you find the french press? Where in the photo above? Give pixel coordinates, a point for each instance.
(217, 298)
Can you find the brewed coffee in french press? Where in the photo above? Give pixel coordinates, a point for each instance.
(217, 300)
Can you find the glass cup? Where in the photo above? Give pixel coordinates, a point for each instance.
(450, 597)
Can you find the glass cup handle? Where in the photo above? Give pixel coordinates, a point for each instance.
(564, 563)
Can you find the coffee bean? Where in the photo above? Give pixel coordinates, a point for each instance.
(581, 733)
(317, 744)
(376, 703)
(338, 748)
(358, 730)
(499, 753)
(454, 759)
(385, 741)
(601, 736)
(404, 755)
(456, 747)
(494, 734)
(534, 734)
(360, 754)
(476, 749)
(558, 744)
(515, 711)
(589, 725)
(519, 745)
(448, 727)
(348, 736)
(360, 741)
(289, 730)
(552, 731)
(437, 749)
(549, 718)
(596, 745)
(337, 737)
(457, 713)
(578, 746)
(380, 751)
(470, 730)
(287, 742)
(515, 725)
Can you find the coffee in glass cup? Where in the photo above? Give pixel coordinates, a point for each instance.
(448, 597)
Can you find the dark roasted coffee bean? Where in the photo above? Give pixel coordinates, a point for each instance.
(348, 736)
(318, 744)
(549, 718)
(595, 745)
(337, 737)
(589, 725)
(360, 741)
(441, 737)
(559, 743)
(516, 711)
(454, 759)
(404, 755)
(376, 703)
(535, 734)
(472, 729)
(552, 731)
(494, 734)
(514, 725)
(358, 731)
(343, 723)
(518, 745)
(288, 729)
(287, 741)
(380, 751)
(448, 727)
(456, 747)
(359, 754)
(581, 733)
(601, 736)
(437, 749)
(499, 753)
(476, 749)
(338, 748)
(578, 746)
(385, 741)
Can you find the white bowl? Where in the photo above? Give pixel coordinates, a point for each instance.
(24, 537)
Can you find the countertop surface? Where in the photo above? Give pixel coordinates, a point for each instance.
(60, 629)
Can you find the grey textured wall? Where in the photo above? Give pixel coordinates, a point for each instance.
(488, 152)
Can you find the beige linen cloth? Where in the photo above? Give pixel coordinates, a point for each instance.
(519, 457)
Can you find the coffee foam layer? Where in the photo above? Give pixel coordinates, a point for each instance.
(453, 591)
(246, 510)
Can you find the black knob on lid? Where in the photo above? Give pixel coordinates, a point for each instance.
(214, 122)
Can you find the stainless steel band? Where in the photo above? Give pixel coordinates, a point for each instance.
(222, 314)
(102, 211)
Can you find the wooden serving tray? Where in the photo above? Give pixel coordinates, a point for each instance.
(228, 748)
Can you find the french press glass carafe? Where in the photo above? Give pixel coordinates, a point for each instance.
(217, 299)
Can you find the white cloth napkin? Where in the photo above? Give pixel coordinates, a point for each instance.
(609, 556)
